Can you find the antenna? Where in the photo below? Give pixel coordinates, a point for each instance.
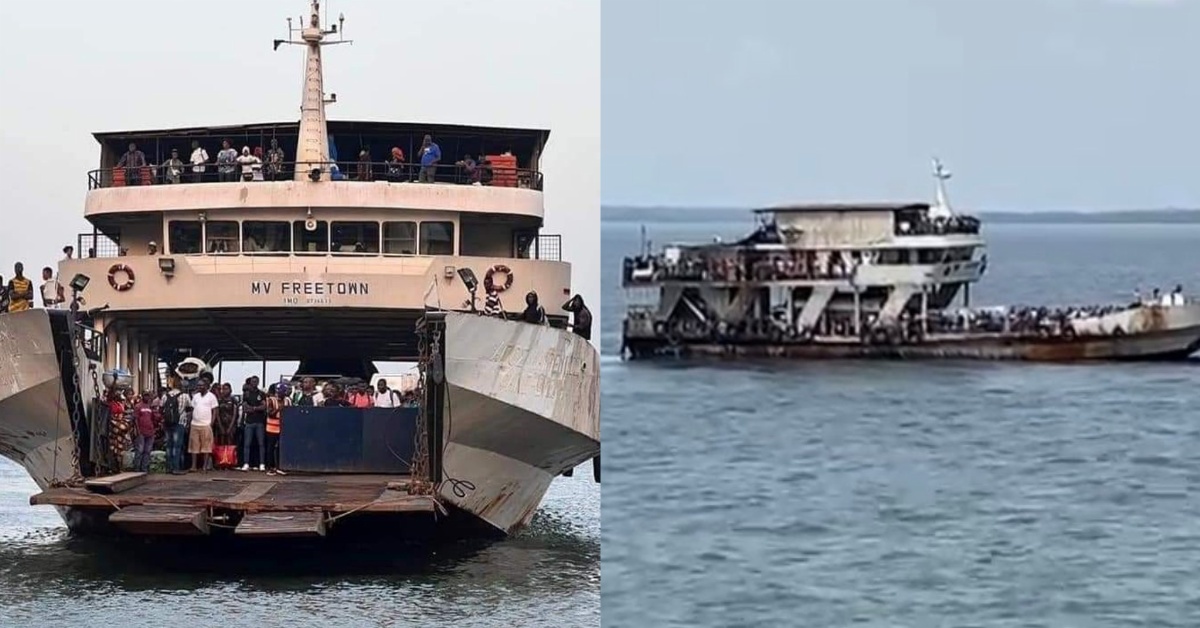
(941, 207)
(312, 146)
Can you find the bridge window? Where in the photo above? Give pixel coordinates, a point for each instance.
(437, 238)
(222, 237)
(356, 237)
(315, 241)
(259, 236)
(400, 238)
(183, 236)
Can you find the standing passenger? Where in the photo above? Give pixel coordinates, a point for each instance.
(199, 158)
(274, 161)
(177, 408)
(226, 159)
(52, 291)
(143, 416)
(277, 400)
(200, 436)
(534, 313)
(430, 154)
(254, 405)
(20, 290)
(386, 397)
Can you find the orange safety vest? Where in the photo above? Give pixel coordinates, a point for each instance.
(274, 425)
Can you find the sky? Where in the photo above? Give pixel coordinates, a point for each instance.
(1033, 105)
(75, 68)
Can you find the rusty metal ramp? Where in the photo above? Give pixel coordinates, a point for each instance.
(162, 520)
(281, 524)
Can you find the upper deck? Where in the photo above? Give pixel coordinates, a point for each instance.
(505, 181)
(835, 225)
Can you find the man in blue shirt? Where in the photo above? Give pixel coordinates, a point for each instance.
(430, 156)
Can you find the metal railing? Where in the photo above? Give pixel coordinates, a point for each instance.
(91, 245)
(549, 248)
(488, 174)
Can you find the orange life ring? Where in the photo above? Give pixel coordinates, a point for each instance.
(129, 277)
(489, 285)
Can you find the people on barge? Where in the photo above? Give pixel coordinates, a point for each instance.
(277, 400)
(200, 433)
(254, 407)
(176, 413)
(146, 429)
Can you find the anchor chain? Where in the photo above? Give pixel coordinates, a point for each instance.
(77, 411)
(420, 484)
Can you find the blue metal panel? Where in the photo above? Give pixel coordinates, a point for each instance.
(347, 440)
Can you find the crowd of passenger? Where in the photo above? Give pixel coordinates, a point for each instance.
(257, 164)
(736, 268)
(1042, 320)
(203, 425)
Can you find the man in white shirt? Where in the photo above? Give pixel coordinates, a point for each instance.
(200, 436)
(198, 159)
(386, 397)
(1177, 295)
(52, 291)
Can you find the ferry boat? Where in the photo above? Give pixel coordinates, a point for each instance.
(298, 259)
(847, 280)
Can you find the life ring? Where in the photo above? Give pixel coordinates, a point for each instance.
(129, 277)
(490, 285)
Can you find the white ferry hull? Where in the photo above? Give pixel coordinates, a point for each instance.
(35, 425)
(523, 406)
(1146, 333)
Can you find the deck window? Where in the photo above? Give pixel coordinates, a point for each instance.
(355, 237)
(260, 236)
(400, 238)
(221, 237)
(437, 238)
(183, 236)
(315, 241)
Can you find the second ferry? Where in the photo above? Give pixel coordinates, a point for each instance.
(846, 280)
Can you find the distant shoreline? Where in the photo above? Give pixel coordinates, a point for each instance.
(1118, 217)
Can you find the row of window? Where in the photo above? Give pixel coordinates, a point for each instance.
(185, 237)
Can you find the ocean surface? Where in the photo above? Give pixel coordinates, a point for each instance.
(549, 575)
(919, 494)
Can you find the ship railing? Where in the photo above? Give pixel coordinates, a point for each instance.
(958, 224)
(493, 175)
(93, 245)
(654, 269)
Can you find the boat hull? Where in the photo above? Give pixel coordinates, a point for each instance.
(521, 407)
(1151, 333)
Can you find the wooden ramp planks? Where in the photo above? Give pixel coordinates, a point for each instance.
(120, 482)
(282, 524)
(162, 520)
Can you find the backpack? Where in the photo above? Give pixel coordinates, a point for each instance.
(171, 413)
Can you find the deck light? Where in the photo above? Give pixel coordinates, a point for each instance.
(167, 266)
(79, 282)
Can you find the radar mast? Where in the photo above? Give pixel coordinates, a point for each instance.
(312, 147)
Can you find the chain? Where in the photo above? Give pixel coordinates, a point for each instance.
(420, 483)
(77, 410)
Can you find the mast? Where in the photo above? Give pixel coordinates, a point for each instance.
(941, 207)
(312, 147)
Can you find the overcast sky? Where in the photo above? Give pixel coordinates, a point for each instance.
(1032, 104)
(74, 68)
